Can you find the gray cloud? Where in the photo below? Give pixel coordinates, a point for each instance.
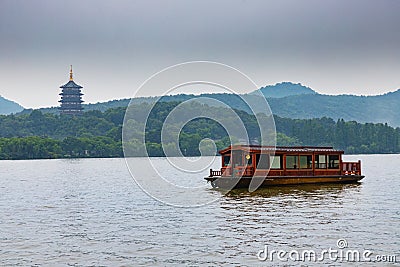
(332, 46)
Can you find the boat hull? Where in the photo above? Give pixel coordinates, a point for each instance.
(244, 182)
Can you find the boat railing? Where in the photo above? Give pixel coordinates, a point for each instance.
(237, 171)
(243, 171)
(348, 168)
(215, 173)
(351, 168)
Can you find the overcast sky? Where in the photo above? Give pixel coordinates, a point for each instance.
(334, 47)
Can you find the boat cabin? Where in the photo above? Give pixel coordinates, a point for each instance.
(250, 160)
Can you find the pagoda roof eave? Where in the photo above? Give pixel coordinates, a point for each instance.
(71, 84)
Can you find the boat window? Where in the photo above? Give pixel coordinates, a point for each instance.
(291, 162)
(320, 161)
(237, 158)
(305, 162)
(277, 162)
(333, 161)
(227, 159)
(262, 161)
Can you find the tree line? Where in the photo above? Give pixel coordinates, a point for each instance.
(99, 134)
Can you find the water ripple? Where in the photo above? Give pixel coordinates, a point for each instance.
(91, 213)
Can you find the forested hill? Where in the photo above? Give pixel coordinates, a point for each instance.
(381, 108)
(98, 134)
(294, 101)
(8, 106)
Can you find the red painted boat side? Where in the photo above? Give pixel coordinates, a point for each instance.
(244, 182)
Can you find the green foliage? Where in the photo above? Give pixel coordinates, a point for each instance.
(98, 134)
(351, 136)
(31, 147)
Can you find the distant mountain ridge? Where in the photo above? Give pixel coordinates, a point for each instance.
(294, 101)
(284, 89)
(377, 109)
(8, 106)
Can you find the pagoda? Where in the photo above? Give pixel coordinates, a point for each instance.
(71, 97)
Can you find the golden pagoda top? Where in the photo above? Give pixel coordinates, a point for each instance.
(71, 83)
(70, 75)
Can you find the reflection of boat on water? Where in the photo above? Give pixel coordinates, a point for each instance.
(265, 166)
(310, 190)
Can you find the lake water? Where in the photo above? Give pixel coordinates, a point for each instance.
(90, 212)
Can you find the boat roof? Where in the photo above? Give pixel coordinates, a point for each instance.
(281, 149)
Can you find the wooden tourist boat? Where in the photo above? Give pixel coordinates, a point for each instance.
(282, 166)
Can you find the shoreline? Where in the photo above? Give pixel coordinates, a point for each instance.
(79, 158)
